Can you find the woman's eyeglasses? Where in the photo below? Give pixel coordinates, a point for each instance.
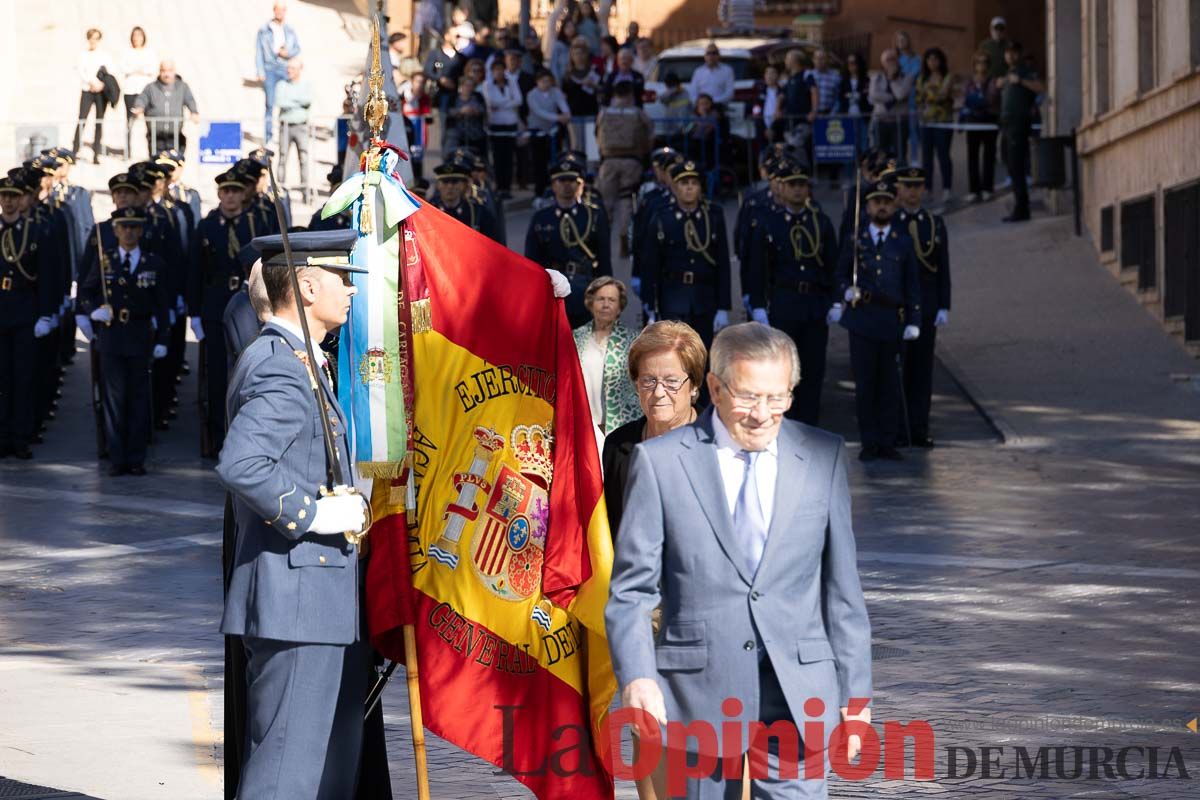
(648, 383)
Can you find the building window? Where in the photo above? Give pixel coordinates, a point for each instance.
(1106, 229)
(1181, 262)
(1145, 34)
(1137, 241)
(1102, 101)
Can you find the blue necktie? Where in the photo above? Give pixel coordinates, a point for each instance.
(749, 523)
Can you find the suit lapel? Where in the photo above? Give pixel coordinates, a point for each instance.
(699, 463)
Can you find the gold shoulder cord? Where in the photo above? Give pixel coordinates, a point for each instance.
(692, 237)
(232, 245)
(800, 234)
(568, 229)
(12, 253)
(914, 231)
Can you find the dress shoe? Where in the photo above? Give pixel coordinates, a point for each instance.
(137, 469)
(117, 470)
(922, 441)
(890, 453)
(869, 453)
(23, 453)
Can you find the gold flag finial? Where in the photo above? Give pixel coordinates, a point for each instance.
(376, 108)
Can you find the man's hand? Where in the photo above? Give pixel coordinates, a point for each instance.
(103, 314)
(759, 315)
(943, 316)
(720, 320)
(644, 693)
(84, 325)
(911, 332)
(854, 743)
(835, 314)
(651, 317)
(160, 351)
(339, 513)
(42, 327)
(562, 286)
(197, 329)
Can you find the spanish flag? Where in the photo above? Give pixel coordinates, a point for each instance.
(504, 567)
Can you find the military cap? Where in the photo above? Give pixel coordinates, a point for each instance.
(28, 180)
(44, 164)
(171, 157)
(685, 169)
(9, 186)
(567, 166)
(153, 169)
(63, 155)
(251, 169)
(909, 175)
(789, 169)
(663, 156)
(122, 180)
(329, 249)
(454, 169)
(129, 216)
(231, 179)
(139, 175)
(882, 188)
(261, 156)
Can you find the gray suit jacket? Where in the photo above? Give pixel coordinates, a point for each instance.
(804, 605)
(286, 584)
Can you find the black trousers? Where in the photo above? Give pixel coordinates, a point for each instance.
(1017, 138)
(503, 139)
(126, 407)
(16, 377)
(161, 135)
(539, 149)
(88, 100)
(130, 99)
(981, 161)
(212, 350)
(876, 389)
(812, 339)
(918, 379)
(45, 375)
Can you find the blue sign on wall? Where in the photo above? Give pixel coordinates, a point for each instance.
(221, 143)
(833, 139)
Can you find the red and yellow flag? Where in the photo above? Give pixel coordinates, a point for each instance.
(505, 573)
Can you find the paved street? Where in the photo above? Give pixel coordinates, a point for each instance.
(1038, 590)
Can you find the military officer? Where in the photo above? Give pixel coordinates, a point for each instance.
(76, 197)
(571, 236)
(871, 166)
(931, 246)
(185, 201)
(685, 258)
(27, 307)
(129, 317)
(454, 197)
(293, 592)
(877, 278)
(483, 193)
(651, 196)
(792, 261)
(188, 198)
(215, 275)
(259, 195)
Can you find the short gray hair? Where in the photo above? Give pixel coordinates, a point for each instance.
(752, 341)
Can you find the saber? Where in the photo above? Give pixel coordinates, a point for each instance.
(103, 282)
(857, 219)
(335, 476)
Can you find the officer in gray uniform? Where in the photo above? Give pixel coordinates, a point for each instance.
(293, 592)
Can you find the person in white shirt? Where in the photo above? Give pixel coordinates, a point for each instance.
(645, 61)
(503, 97)
(712, 78)
(91, 90)
(139, 67)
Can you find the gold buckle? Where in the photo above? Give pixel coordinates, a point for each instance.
(234, 282)
(6, 284)
(689, 278)
(123, 315)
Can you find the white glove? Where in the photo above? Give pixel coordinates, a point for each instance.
(197, 329)
(103, 314)
(54, 321)
(746, 304)
(911, 332)
(84, 325)
(651, 317)
(42, 327)
(721, 320)
(180, 308)
(562, 286)
(849, 296)
(339, 513)
(760, 315)
(160, 351)
(943, 316)
(170, 316)
(835, 314)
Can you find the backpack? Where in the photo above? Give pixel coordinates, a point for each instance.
(621, 131)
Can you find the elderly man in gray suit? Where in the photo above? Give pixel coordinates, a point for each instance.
(293, 593)
(739, 526)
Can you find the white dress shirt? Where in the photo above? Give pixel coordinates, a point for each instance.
(876, 232)
(733, 469)
(135, 257)
(90, 62)
(294, 329)
(716, 82)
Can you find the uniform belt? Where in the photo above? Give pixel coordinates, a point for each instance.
(804, 287)
(690, 278)
(574, 270)
(878, 299)
(231, 282)
(124, 315)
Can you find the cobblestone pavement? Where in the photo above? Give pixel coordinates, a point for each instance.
(1032, 596)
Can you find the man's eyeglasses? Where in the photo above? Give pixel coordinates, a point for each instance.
(648, 383)
(743, 401)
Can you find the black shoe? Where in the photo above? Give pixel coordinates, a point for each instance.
(922, 441)
(117, 470)
(869, 453)
(1015, 217)
(137, 469)
(890, 453)
(23, 453)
